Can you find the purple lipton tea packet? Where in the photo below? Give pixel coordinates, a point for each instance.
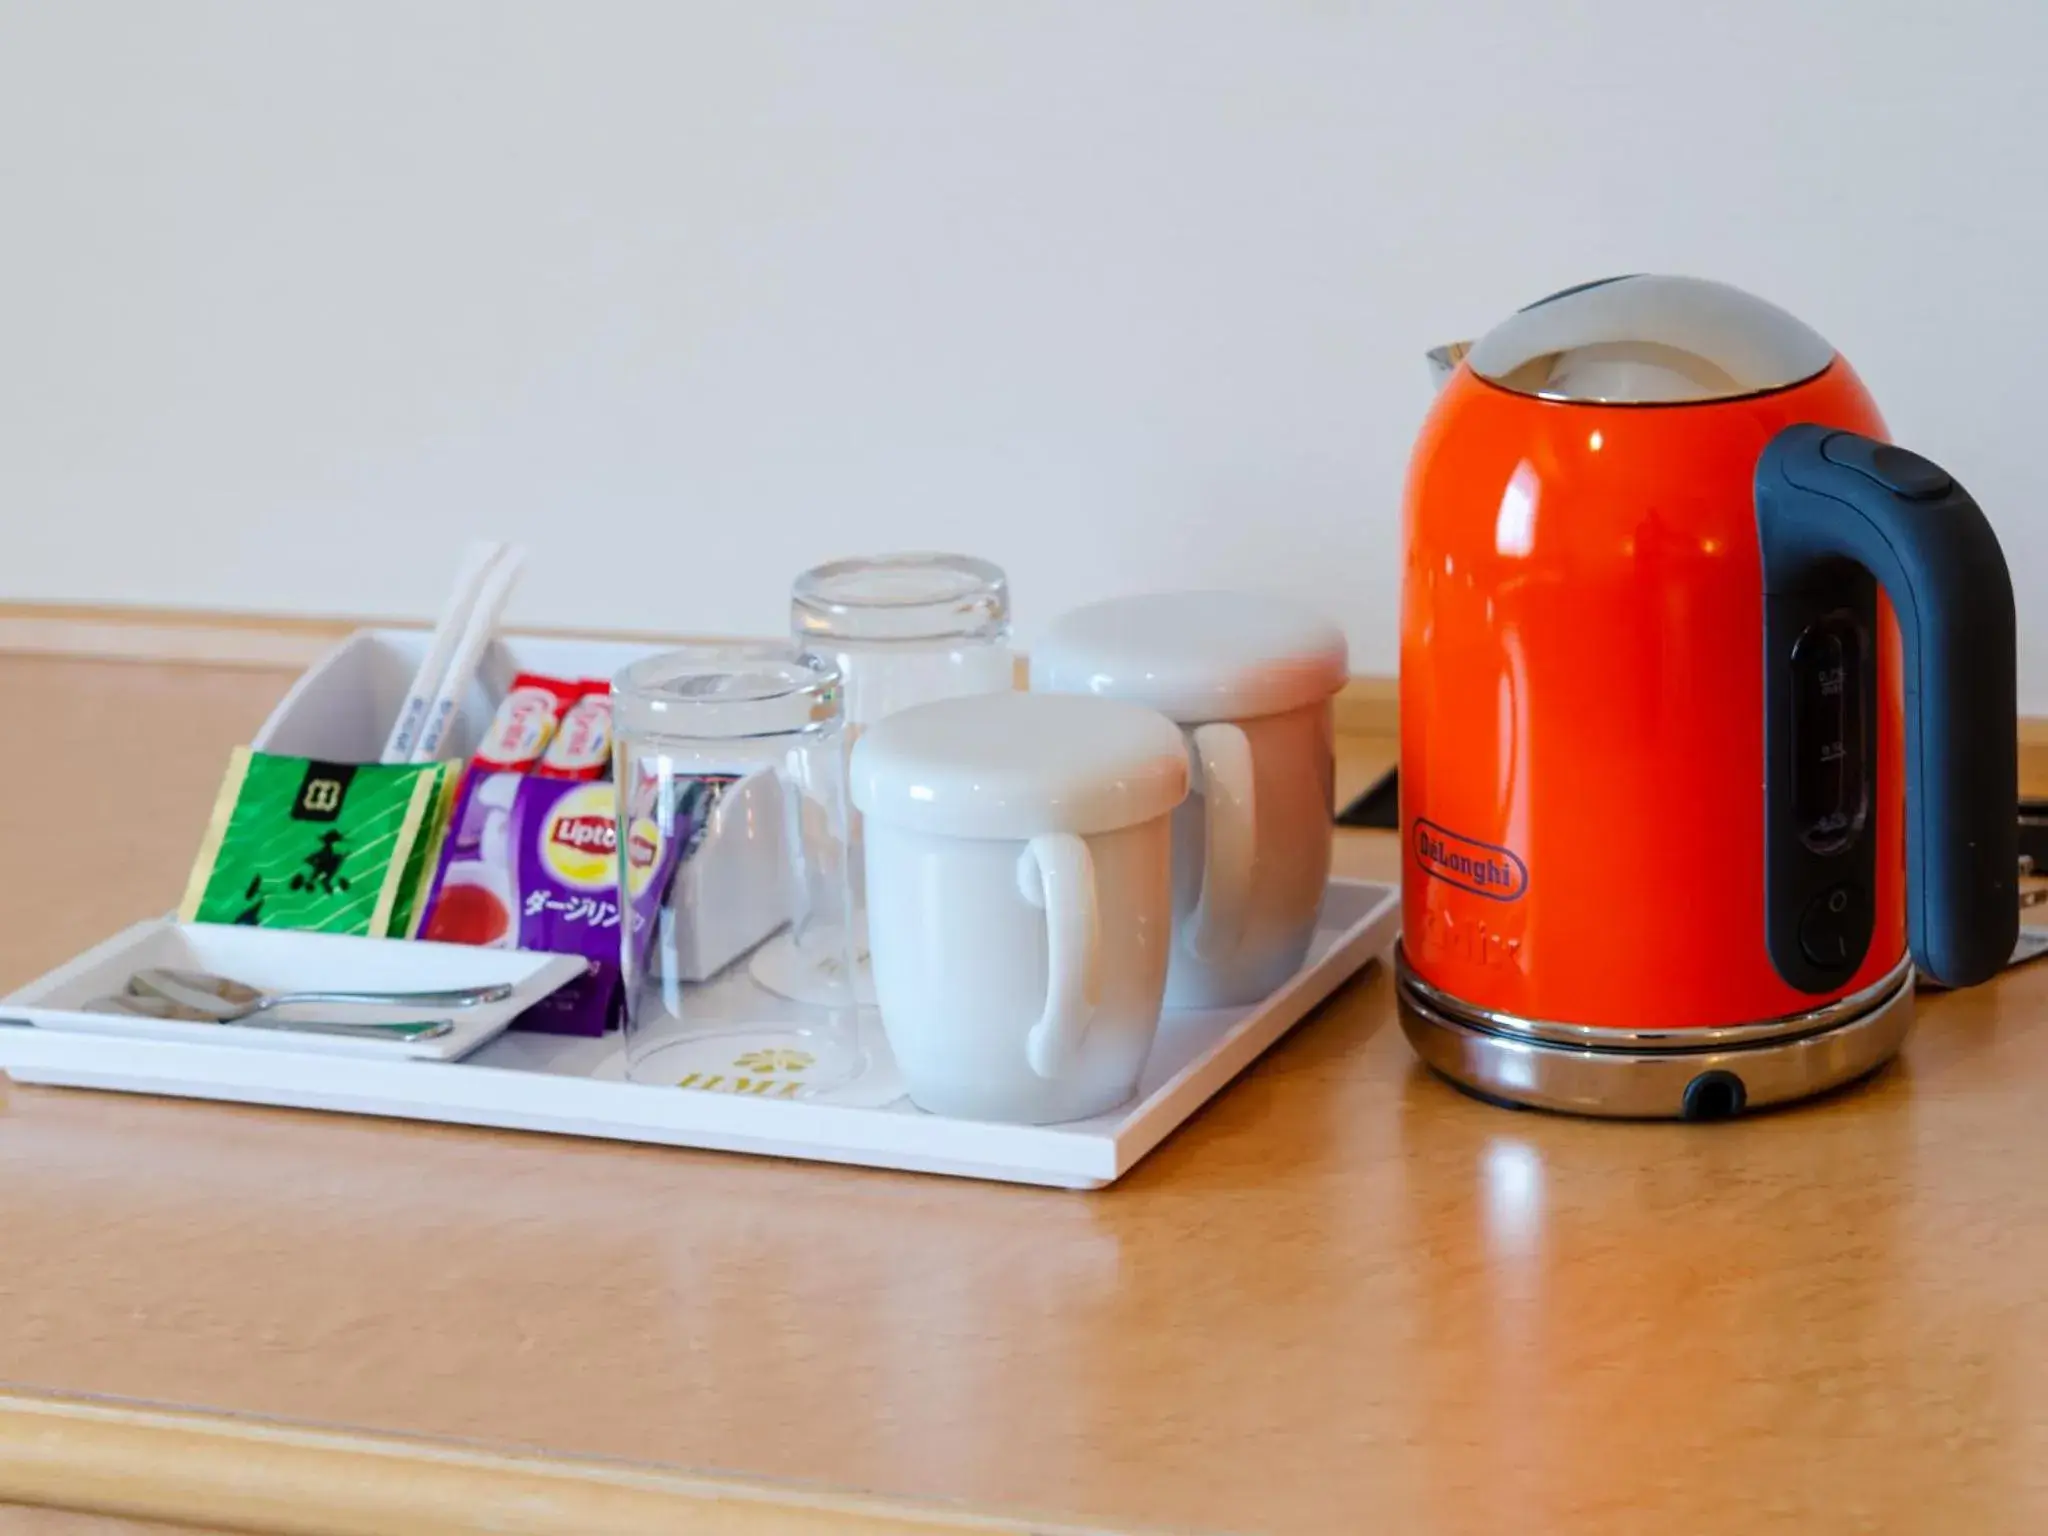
(532, 863)
(669, 816)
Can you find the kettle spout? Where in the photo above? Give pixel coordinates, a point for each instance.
(1444, 360)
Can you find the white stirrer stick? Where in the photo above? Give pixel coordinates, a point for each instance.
(477, 558)
(499, 580)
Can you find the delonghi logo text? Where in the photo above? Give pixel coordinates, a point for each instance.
(1468, 863)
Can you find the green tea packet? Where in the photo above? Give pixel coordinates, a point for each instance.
(327, 847)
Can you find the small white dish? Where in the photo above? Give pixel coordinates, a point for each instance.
(275, 960)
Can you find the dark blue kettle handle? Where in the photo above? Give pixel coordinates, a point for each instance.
(1827, 503)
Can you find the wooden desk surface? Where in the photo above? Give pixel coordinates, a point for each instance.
(1343, 1298)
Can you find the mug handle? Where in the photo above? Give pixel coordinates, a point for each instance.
(1230, 836)
(1057, 874)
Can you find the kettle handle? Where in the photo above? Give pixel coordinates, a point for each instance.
(1830, 502)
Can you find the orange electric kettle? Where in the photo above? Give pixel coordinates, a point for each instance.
(1707, 713)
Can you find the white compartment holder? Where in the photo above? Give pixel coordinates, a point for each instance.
(568, 1086)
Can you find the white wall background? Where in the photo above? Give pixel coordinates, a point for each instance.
(295, 297)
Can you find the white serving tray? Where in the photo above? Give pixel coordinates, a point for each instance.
(576, 1087)
(279, 961)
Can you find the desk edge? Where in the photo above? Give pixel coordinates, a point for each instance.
(250, 1475)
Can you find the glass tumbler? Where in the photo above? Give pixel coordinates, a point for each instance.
(902, 629)
(906, 629)
(732, 840)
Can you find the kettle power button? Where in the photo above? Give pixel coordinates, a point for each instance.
(1834, 930)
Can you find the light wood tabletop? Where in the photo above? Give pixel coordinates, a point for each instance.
(1343, 1298)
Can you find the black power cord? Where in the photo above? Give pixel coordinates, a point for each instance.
(1378, 808)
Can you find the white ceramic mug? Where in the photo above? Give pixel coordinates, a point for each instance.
(1251, 855)
(1020, 907)
(1250, 679)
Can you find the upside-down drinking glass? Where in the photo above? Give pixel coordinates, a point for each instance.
(906, 629)
(902, 629)
(733, 851)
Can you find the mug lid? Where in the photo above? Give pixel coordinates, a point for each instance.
(1195, 656)
(1013, 765)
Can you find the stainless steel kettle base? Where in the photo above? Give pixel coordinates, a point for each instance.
(1650, 1074)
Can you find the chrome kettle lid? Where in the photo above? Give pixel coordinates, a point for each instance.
(1648, 340)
